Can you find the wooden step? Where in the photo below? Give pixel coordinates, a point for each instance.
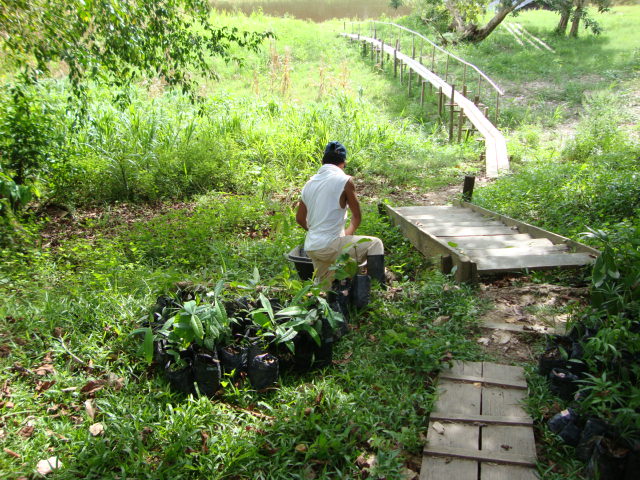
(520, 240)
(514, 251)
(533, 262)
(469, 231)
(477, 430)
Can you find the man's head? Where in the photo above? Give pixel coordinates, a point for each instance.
(335, 153)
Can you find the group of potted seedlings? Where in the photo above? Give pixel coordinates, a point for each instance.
(596, 372)
(201, 342)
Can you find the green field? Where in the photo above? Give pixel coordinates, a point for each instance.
(141, 196)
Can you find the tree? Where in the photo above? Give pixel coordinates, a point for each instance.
(116, 41)
(113, 42)
(464, 16)
(576, 12)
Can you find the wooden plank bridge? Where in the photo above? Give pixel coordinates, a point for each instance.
(496, 157)
(478, 429)
(479, 242)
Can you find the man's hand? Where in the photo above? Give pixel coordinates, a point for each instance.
(301, 215)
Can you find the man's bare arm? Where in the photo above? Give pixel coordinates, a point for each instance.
(301, 215)
(354, 206)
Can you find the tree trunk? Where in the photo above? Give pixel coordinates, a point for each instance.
(577, 16)
(561, 29)
(476, 34)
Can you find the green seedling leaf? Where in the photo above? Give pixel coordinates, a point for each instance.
(292, 311)
(314, 334)
(287, 336)
(190, 307)
(452, 244)
(196, 325)
(266, 304)
(218, 289)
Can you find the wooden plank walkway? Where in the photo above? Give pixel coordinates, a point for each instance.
(478, 430)
(479, 242)
(496, 157)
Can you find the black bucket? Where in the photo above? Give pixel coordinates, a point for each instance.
(303, 264)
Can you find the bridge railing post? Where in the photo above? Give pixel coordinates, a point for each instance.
(451, 111)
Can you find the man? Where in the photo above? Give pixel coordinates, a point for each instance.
(322, 212)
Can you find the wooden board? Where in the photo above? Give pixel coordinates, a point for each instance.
(558, 260)
(474, 243)
(521, 240)
(478, 431)
(469, 231)
(511, 251)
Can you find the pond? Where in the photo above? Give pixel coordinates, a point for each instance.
(314, 10)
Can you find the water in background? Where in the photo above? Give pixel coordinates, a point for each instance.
(314, 10)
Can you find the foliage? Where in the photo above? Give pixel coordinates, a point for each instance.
(595, 185)
(116, 41)
(95, 291)
(464, 17)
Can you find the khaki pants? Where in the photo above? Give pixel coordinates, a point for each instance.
(358, 247)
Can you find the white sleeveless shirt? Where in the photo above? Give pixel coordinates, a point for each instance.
(325, 217)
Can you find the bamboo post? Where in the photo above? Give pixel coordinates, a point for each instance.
(464, 78)
(479, 85)
(451, 112)
(460, 123)
(381, 53)
(440, 100)
(401, 71)
(422, 94)
(410, 72)
(372, 51)
(497, 107)
(395, 61)
(421, 45)
(446, 69)
(461, 116)
(413, 47)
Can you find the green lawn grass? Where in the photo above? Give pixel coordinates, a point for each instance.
(240, 167)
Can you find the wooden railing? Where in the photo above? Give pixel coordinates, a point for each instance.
(442, 71)
(451, 68)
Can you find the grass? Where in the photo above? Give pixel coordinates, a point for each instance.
(90, 296)
(238, 169)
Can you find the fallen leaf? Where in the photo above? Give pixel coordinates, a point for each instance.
(12, 453)
(46, 385)
(45, 369)
(26, 431)
(408, 474)
(483, 341)
(319, 397)
(6, 390)
(441, 319)
(96, 429)
(144, 434)
(90, 409)
(205, 437)
(47, 358)
(45, 467)
(438, 427)
(301, 448)
(5, 350)
(115, 382)
(58, 332)
(506, 447)
(92, 386)
(366, 462)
